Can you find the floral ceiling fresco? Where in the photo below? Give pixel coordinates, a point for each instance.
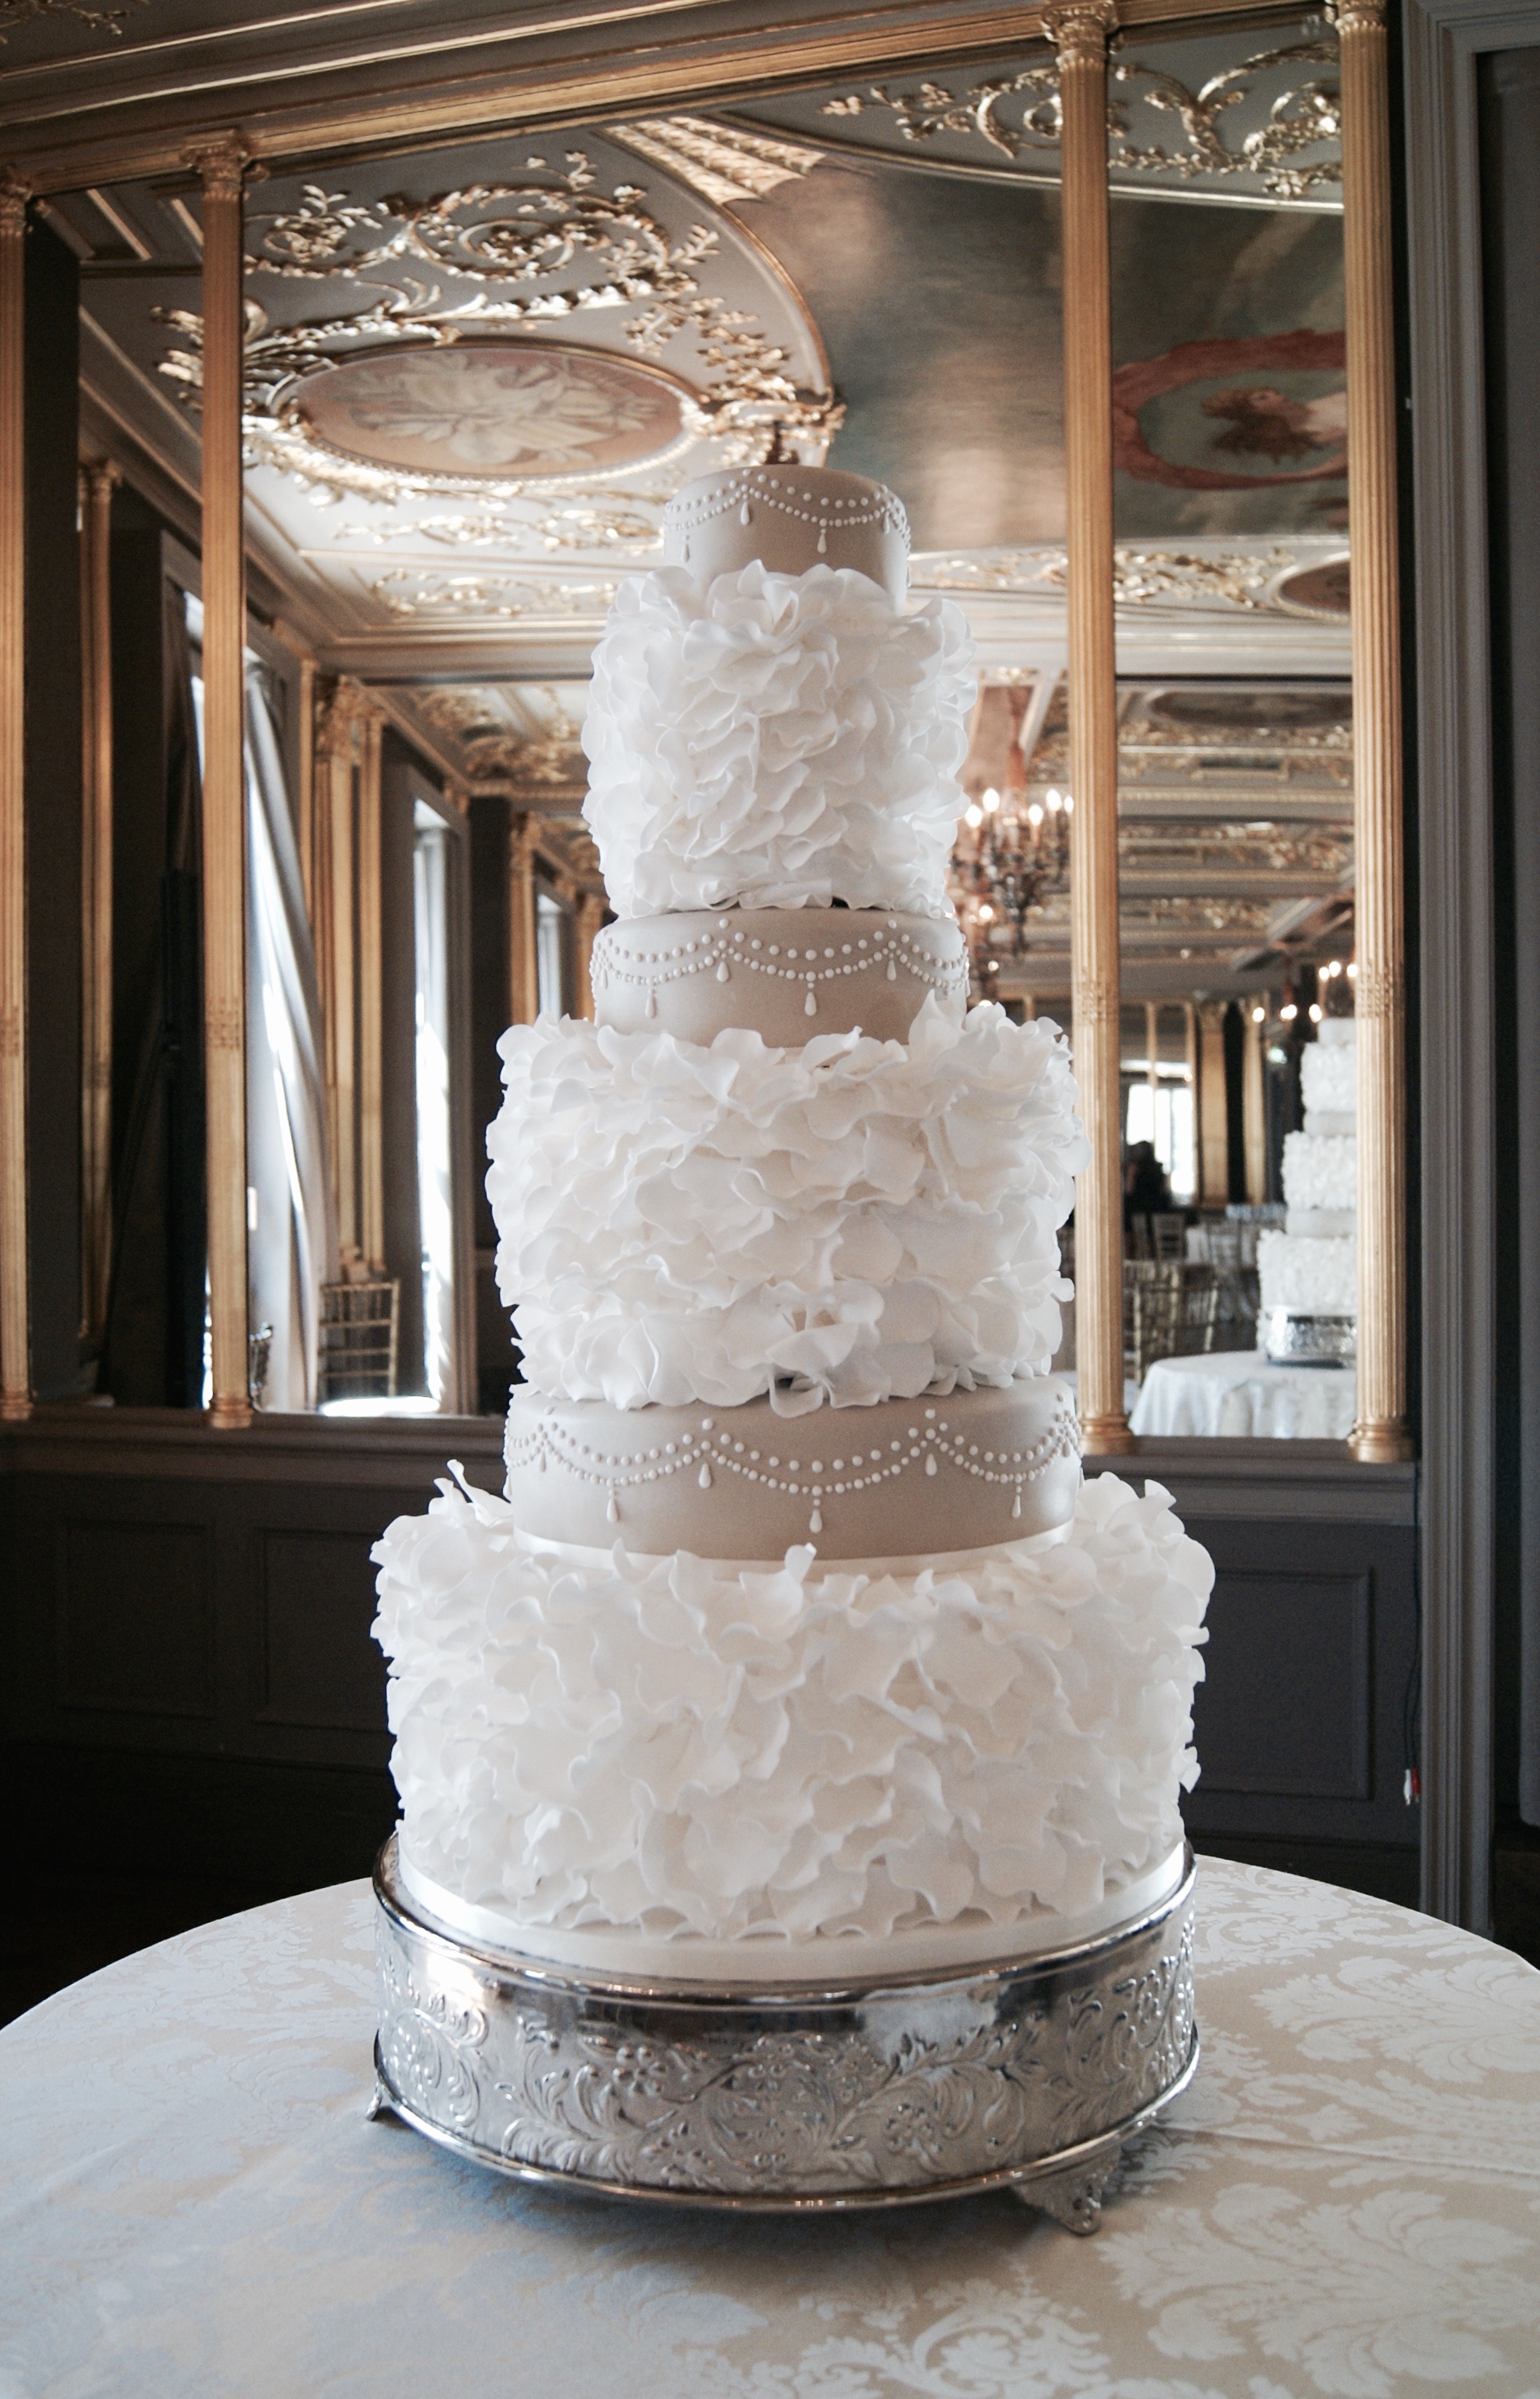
(475, 377)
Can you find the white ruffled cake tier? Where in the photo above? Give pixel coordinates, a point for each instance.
(854, 1220)
(1307, 1275)
(1320, 1170)
(704, 1769)
(767, 740)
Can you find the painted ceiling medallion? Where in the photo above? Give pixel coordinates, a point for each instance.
(492, 409)
(1321, 592)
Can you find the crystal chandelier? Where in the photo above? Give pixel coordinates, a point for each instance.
(1011, 852)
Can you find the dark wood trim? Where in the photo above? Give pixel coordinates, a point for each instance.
(1287, 1481)
(1444, 42)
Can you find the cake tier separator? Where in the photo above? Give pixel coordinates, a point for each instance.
(709, 1449)
(622, 958)
(1029, 2074)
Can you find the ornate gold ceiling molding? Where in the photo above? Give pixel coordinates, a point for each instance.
(726, 164)
(388, 93)
(418, 594)
(110, 20)
(512, 238)
(1228, 582)
(1301, 116)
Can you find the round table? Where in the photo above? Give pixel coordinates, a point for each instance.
(194, 2205)
(1240, 1392)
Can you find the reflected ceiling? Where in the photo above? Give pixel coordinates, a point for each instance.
(473, 376)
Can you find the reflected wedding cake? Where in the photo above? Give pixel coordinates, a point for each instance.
(796, 1644)
(1309, 1272)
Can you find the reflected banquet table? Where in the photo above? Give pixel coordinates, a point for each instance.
(1241, 1393)
(193, 2204)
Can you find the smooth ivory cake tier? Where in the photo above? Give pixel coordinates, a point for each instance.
(897, 1480)
(787, 973)
(787, 519)
(809, 1760)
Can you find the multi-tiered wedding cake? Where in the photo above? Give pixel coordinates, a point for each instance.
(798, 1642)
(1309, 1272)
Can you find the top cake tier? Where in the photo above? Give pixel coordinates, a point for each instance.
(1329, 1077)
(790, 517)
(768, 727)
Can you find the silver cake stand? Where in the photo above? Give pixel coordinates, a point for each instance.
(1030, 2075)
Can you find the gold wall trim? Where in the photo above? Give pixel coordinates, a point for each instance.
(1081, 30)
(1381, 1433)
(218, 163)
(67, 144)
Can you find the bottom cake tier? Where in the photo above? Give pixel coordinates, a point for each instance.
(710, 1769)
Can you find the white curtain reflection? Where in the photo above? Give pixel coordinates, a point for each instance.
(292, 1232)
(430, 873)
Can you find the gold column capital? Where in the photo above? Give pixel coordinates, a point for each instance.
(218, 160)
(1080, 31)
(525, 834)
(338, 717)
(1358, 16)
(15, 193)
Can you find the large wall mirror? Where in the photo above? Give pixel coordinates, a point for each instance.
(472, 376)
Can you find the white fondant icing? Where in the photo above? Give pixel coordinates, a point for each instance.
(1320, 1170)
(1328, 1071)
(854, 1220)
(775, 741)
(681, 1747)
(775, 1958)
(1307, 1276)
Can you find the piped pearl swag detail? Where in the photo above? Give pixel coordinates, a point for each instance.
(810, 963)
(757, 486)
(712, 1447)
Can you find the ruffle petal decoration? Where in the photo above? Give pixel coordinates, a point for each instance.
(1320, 1170)
(852, 1221)
(684, 1746)
(775, 741)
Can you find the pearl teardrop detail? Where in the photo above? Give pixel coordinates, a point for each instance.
(815, 1522)
(706, 1478)
(810, 1006)
(613, 1511)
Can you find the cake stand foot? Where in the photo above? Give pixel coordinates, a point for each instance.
(383, 2102)
(1074, 2198)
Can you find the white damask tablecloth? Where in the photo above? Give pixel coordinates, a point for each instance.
(1242, 1395)
(1347, 2201)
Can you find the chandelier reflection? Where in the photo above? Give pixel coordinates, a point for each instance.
(1012, 851)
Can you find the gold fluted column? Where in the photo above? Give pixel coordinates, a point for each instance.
(1080, 30)
(15, 1342)
(370, 998)
(305, 798)
(97, 482)
(523, 953)
(219, 165)
(1214, 1105)
(333, 882)
(1253, 1097)
(1381, 1432)
(590, 917)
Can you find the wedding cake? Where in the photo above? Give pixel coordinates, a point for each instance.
(796, 1642)
(1309, 1271)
